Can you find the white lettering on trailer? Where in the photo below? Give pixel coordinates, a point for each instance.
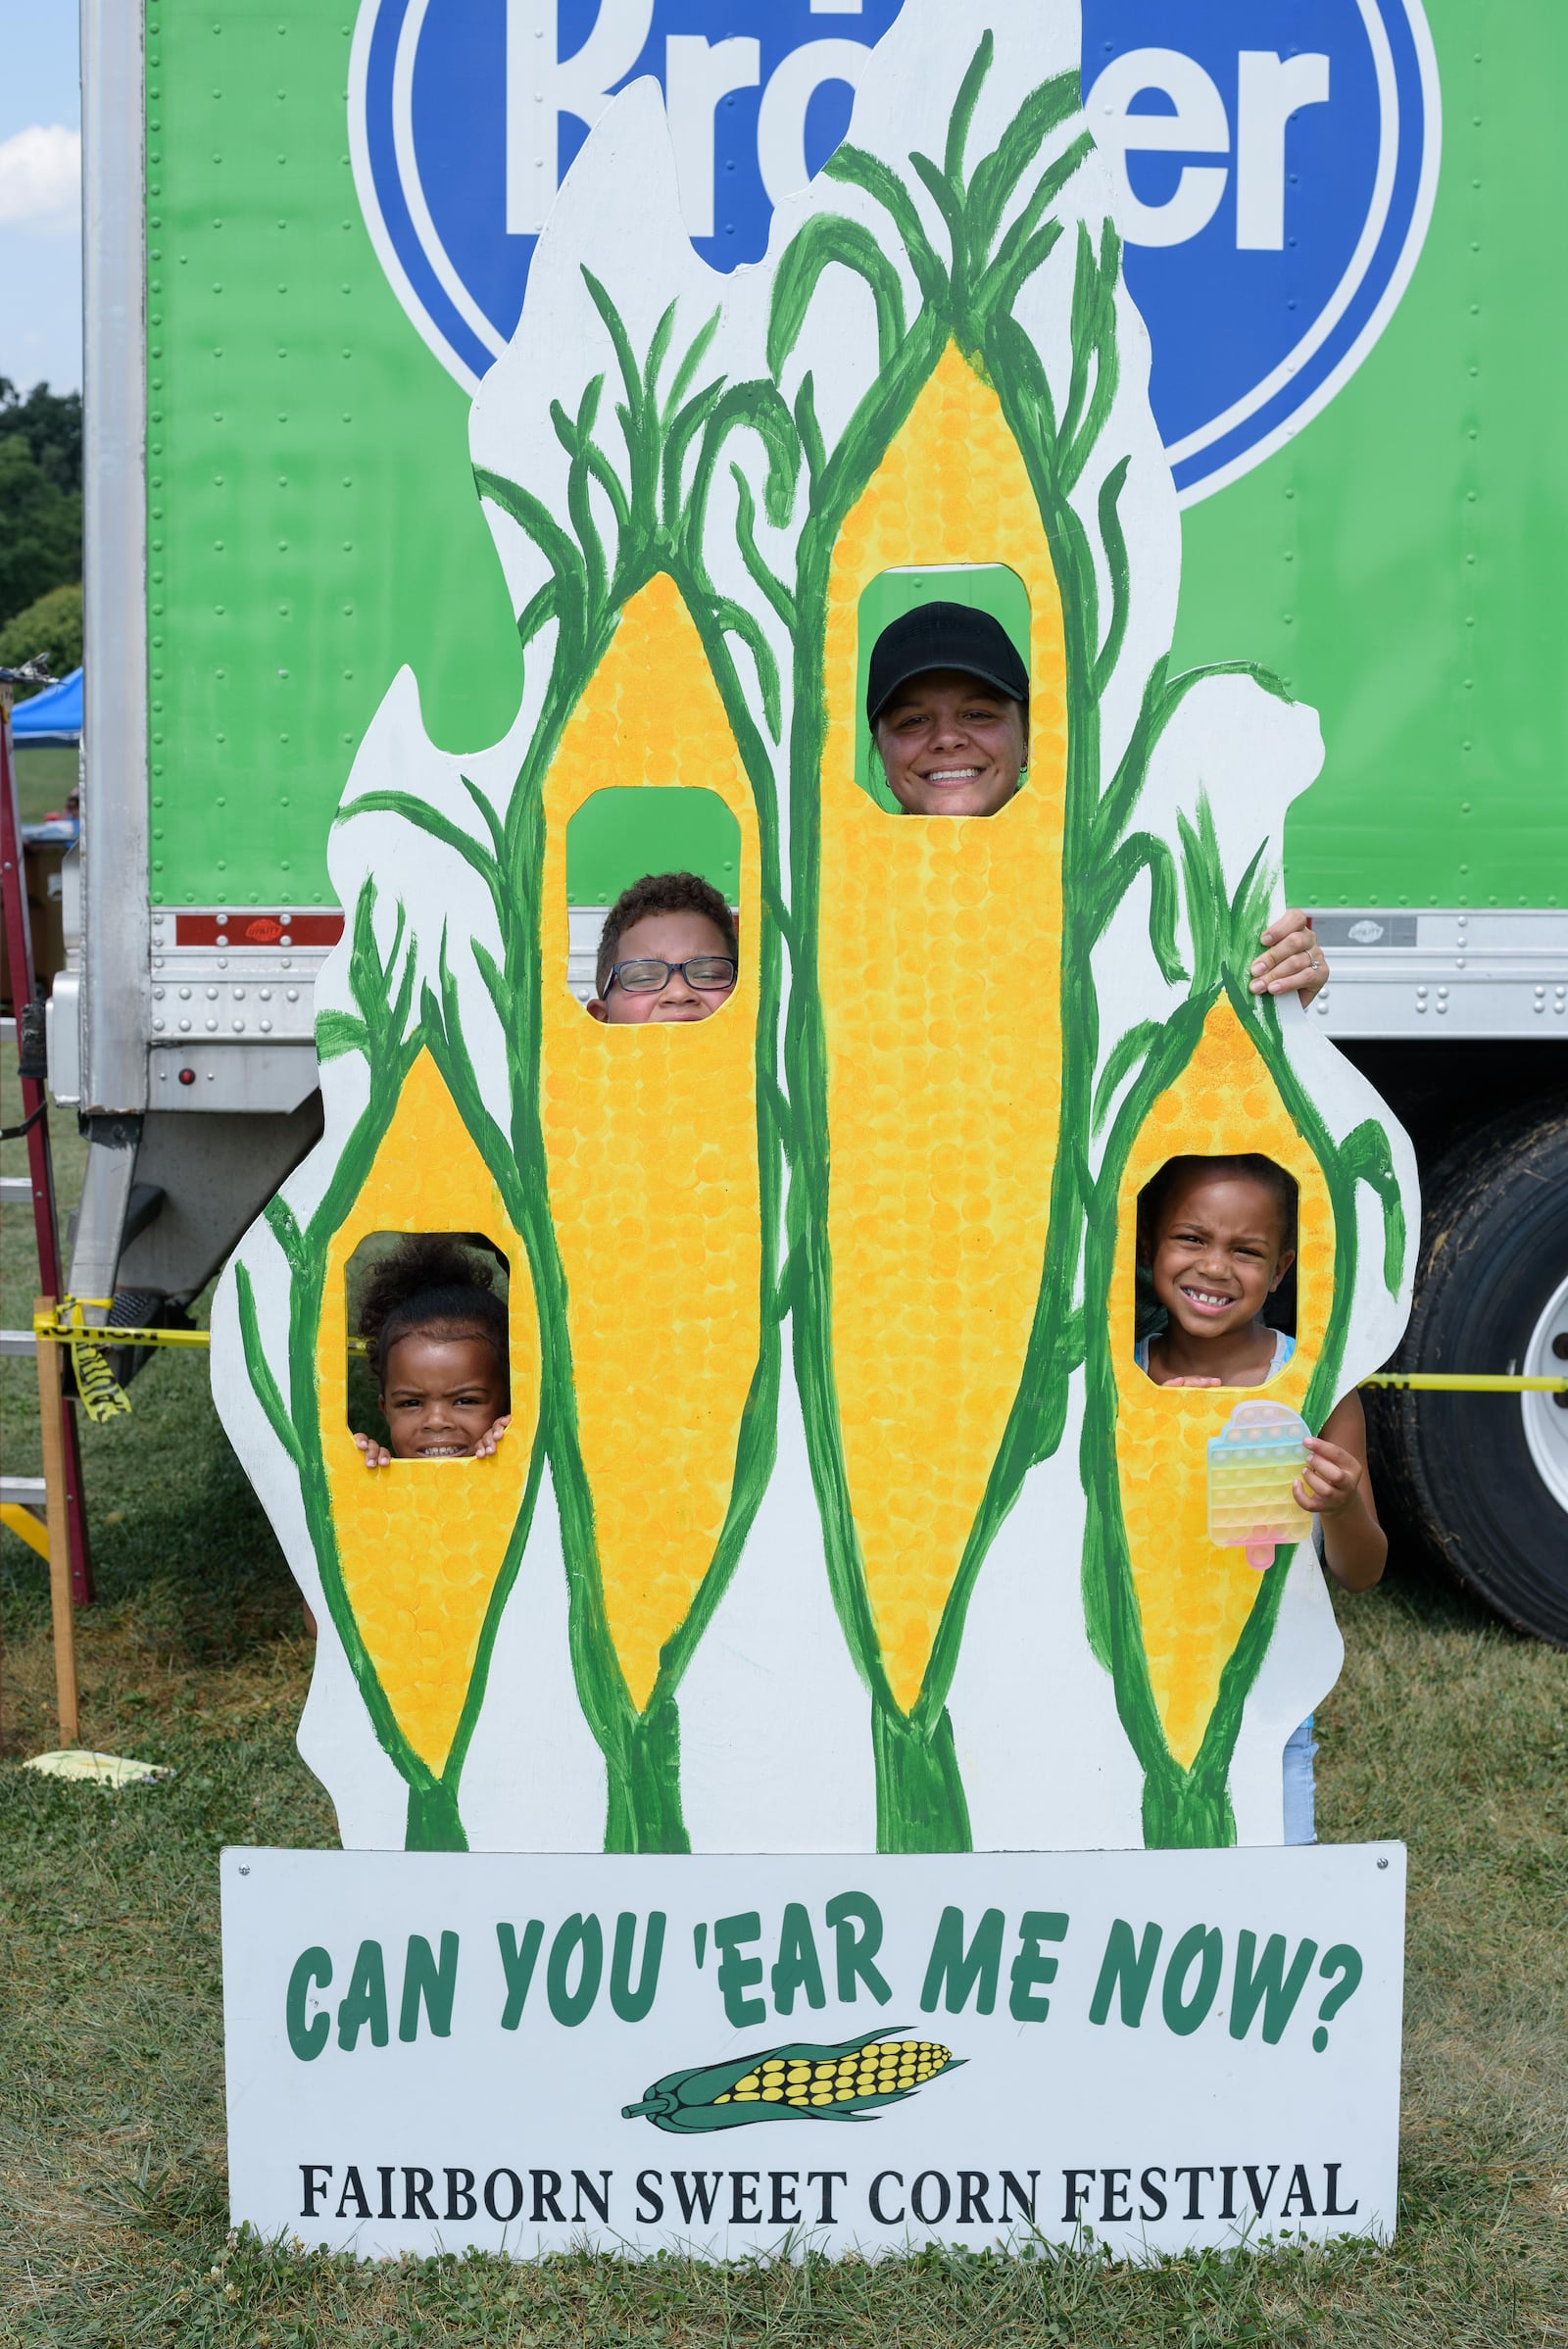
(1270, 90)
(781, 117)
(542, 86)
(698, 73)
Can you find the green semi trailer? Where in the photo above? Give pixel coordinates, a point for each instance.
(308, 231)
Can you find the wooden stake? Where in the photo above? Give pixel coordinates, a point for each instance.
(51, 1414)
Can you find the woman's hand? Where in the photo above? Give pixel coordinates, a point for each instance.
(1291, 963)
(376, 1454)
(1332, 1482)
(487, 1442)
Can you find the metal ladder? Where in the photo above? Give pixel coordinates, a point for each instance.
(46, 1511)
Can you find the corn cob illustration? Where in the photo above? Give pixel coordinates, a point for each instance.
(934, 1214)
(642, 1165)
(943, 1119)
(422, 1546)
(416, 1573)
(1194, 1602)
(1253, 1463)
(649, 1137)
(797, 2082)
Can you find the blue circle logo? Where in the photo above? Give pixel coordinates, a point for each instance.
(1275, 167)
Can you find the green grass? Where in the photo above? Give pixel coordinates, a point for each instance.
(1444, 1729)
(43, 778)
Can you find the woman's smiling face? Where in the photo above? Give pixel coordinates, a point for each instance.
(951, 745)
(1219, 1253)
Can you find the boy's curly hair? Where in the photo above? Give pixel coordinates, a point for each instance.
(660, 893)
(439, 1282)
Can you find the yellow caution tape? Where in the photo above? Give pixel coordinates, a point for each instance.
(1462, 1382)
(99, 1392)
(85, 1341)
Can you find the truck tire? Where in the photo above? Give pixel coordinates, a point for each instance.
(1483, 1479)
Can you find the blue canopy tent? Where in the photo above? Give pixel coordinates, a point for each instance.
(51, 716)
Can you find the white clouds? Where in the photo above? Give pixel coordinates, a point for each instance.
(40, 179)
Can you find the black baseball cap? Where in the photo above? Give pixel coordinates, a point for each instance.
(943, 636)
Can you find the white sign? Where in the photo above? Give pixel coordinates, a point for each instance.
(1170, 2049)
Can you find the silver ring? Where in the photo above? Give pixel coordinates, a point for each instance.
(1312, 959)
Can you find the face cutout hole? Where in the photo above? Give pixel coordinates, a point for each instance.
(943, 652)
(1216, 1285)
(661, 867)
(430, 1371)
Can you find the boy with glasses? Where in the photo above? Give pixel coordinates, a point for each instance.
(667, 952)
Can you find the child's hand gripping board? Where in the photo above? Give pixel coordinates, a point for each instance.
(1253, 1463)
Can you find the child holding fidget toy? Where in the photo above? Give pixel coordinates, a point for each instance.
(1217, 1236)
(436, 1333)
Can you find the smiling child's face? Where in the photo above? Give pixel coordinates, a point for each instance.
(665, 938)
(1219, 1253)
(952, 746)
(440, 1395)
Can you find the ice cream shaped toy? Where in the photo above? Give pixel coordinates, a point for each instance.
(1253, 1464)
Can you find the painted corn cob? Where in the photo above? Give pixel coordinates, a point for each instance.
(651, 1147)
(1192, 1606)
(798, 2083)
(422, 1547)
(942, 1120)
(1253, 1463)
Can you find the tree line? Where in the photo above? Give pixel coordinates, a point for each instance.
(40, 526)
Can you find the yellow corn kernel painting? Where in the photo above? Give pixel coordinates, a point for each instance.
(421, 1544)
(939, 961)
(651, 1146)
(1194, 1600)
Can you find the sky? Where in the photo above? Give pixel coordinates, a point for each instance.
(40, 233)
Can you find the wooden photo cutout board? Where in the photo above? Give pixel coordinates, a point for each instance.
(834, 1514)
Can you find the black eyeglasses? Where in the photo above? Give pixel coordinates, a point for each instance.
(648, 976)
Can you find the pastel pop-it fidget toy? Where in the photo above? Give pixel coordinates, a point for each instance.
(1253, 1464)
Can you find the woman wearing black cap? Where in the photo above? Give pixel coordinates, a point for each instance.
(947, 699)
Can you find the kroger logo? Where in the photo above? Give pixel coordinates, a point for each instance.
(1275, 163)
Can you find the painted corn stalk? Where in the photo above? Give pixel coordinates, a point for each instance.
(944, 1024)
(916, 1133)
(412, 1573)
(1184, 1626)
(636, 1169)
